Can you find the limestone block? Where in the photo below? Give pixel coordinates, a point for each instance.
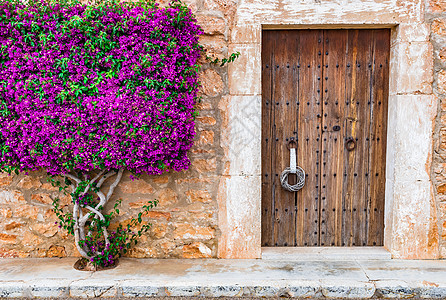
(42, 198)
(215, 46)
(8, 238)
(11, 197)
(26, 211)
(438, 27)
(139, 186)
(196, 250)
(166, 197)
(29, 182)
(198, 196)
(245, 73)
(206, 137)
(246, 33)
(5, 213)
(87, 288)
(332, 12)
(211, 24)
(206, 120)
(239, 217)
(441, 82)
(188, 231)
(182, 291)
(394, 289)
(347, 289)
(436, 6)
(13, 289)
(411, 70)
(411, 32)
(442, 54)
(5, 179)
(413, 232)
(211, 83)
(223, 291)
(138, 288)
(205, 165)
(49, 288)
(241, 139)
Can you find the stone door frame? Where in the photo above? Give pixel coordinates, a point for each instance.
(410, 213)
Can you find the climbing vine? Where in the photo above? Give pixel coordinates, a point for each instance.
(90, 90)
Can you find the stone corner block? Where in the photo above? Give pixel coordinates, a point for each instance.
(244, 73)
(241, 139)
(246, 34)
(239, 217)
(411, 68)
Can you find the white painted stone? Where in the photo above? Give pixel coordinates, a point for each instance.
(412, 188)
(242, 140)
(246, 33)
(245, 75)
(411, 70)
(240, 217)
(411, 32)
(329, 12)
(390, 170)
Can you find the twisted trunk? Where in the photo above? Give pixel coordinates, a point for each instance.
(94, 214)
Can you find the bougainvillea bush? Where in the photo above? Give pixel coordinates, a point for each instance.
(89, 90)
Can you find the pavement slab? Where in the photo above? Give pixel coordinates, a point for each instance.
(210, 278)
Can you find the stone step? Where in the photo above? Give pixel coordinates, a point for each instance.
(349, 279)
(325, 253)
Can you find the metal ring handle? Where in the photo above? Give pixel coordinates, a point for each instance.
(350, 144)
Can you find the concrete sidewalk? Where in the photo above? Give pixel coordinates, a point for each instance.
(226, 278)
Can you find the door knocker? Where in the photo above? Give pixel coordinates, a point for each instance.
(293, 169)
(350, 144)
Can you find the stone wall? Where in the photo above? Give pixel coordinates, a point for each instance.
(213, 209)
(436, 17)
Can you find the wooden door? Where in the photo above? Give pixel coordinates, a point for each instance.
(327, 89)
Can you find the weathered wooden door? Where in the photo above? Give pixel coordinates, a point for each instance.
(328, 89)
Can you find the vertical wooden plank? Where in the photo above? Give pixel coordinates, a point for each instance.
(357, 120)
(309, 134)
(332, 138)
(378, 136)
(347, 185)
(267, 122)
(285, 109)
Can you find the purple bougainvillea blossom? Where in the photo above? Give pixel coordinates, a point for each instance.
(85, 88)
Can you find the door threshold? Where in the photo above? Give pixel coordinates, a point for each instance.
(325, 253)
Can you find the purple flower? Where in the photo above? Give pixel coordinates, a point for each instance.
(71, 103)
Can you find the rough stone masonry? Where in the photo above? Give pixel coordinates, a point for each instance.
(436, 17)
(185, 223)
